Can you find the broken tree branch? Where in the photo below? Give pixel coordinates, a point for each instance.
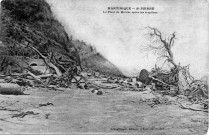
(47, 61)
(193, 109)
(160, 81)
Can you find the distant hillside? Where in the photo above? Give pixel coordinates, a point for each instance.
(31, 22)
(90, 58)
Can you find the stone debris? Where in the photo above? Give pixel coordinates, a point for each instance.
(98, 92)
(45, 104)
(23, 114)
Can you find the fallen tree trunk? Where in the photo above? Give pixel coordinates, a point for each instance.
(190, 108)
(38, 78)
(34, 76)
(12, 75)
(160, 81)
(11, 89)
(47, 61)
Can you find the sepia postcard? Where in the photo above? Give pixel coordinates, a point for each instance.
(106, 67)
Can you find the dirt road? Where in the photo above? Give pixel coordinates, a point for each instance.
(77, 111)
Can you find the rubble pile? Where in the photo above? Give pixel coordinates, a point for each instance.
(178, 81)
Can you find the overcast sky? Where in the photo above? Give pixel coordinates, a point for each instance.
(118, 36)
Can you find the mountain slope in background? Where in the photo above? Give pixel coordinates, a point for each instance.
(31, 22)
(91, 59)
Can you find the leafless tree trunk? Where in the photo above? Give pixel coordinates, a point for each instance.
(159, 45)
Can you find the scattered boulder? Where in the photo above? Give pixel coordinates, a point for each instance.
(41, 69)
(138, 84)
(94, 91)
(99, 92)
(116, 81)
(89, 74)
(82, 85)
(205, 104)
(111, 80)
(144, 77)
(129, 80)
(86, 86)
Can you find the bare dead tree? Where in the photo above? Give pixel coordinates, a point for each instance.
(159, 45)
